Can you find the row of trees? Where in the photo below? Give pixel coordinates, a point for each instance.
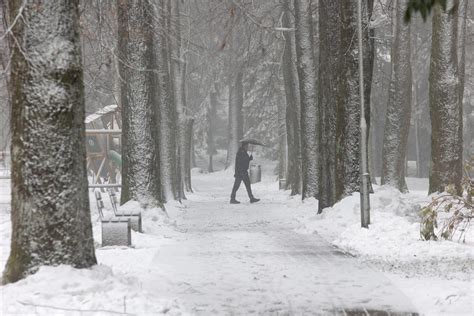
(329, 106)
(50, 202)
(323, 114)
(156, 163)
(284, 71)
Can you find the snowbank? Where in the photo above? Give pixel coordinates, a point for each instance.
(64, 290)
(155, 220)
(393, 239)
(114, 286)
(436, 275)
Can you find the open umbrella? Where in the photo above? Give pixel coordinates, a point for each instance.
(251, 141)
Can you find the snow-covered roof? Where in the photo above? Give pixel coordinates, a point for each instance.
(105, 110)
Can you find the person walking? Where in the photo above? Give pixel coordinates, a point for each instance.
(242, 162)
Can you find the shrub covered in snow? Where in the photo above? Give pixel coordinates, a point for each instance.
(448, 216)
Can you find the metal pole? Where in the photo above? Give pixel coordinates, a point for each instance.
(364, 175)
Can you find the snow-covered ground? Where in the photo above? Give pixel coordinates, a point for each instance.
(437, 275)
(273, 257)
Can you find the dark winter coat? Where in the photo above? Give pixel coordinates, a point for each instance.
(242, 162)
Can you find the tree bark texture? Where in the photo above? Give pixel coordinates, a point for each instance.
(188, 139)
(349, 151)
(462, 47)
(178, 67)
(51, 222)
(167, 112)
(467, 107)
(140, 153)
(330, 61)
(290, 79)
(310, 113)
(445, 106)
(397, 121)
(368, 47)
(339, 96)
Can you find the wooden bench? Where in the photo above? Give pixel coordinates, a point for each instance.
(135, 217)
(116, 231)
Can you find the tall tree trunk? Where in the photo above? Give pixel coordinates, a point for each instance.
(282, 144)
(193, 154)
(236, 119)
(186, 124)
(310, 113)
(290, 78)
(462, 47)
(329, 100)
(445, 106)
(178, 67)
(349, 130)
(397, 122)
(415, 106)
(339, 96)
(469, 135)
(140, 151)
(211, 117)
(117, 80)
(465, 102)
(188, 139)
(368, 47)
(417, 139)
(349, 150)
(420, 104)
(51, 222)
(167, 112)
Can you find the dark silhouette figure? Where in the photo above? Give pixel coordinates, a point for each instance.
(242, 161)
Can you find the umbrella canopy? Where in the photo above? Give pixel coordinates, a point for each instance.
(251, 141)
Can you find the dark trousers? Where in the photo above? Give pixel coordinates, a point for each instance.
(238, 179)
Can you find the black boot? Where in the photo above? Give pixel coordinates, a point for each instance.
(234, 201)
(254, 200)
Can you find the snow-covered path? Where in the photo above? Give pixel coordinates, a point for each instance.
(247, 258)
(221, 260)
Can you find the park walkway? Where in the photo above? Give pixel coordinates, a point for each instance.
(247, 259)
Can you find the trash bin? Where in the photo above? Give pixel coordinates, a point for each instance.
(255, 173)
(282, 184)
